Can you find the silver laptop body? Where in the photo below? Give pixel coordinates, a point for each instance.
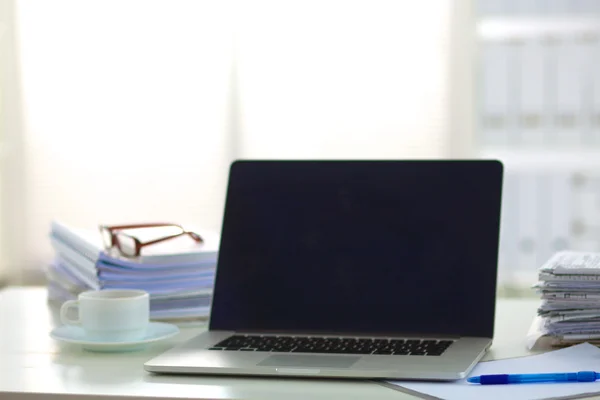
(352, 269)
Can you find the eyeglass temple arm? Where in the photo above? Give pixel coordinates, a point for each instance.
(134, 226)
(193, 235)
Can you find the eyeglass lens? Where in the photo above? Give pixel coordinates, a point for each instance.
(126, 244)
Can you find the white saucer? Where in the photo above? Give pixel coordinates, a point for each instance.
(73, 334)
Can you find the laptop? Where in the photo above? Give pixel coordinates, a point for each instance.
(351, 269)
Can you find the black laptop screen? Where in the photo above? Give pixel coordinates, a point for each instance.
(367, 247)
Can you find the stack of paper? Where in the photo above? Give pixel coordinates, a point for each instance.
(178, 273)
(569, 285)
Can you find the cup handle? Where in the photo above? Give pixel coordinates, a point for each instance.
(64, 310)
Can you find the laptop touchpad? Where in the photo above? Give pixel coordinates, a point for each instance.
(308, 361)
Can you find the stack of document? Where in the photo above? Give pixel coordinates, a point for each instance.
(178, 274)
(569, 285)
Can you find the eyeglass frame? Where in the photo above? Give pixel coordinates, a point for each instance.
(113, 230)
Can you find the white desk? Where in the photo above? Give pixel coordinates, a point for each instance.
(33, 366)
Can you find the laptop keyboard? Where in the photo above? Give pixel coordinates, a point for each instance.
(333, 345)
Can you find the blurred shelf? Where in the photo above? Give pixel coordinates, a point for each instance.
(546, 28)
(513, 281)
(546, 159)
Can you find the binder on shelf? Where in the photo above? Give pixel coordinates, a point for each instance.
(511, 8)
(491, 8)
(574, 7)
(569, 93)
(545, 181)
(527, 8)
(586, 200)
(514, 52)
(495, 94)
(509, 228)
(595, 94)
(557, 7)
(590, 201)
(531, 82)
(588, 7)
(550, 91)
(559, 198)
(584, 216)
(586, 77)
(527, 238)
(586, 244)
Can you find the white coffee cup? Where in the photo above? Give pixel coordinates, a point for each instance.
(111, 315)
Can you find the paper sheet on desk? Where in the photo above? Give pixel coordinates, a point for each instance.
(581, 357)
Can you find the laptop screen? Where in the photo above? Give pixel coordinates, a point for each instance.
(359, 247)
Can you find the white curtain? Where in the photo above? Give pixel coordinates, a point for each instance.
(133, 109)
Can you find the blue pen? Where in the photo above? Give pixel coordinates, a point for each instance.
(503, 379)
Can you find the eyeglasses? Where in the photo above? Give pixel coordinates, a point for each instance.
(131, 246)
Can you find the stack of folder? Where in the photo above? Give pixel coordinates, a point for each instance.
(569, 286)
(179, 275)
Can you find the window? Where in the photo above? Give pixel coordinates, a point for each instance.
(132, 110)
